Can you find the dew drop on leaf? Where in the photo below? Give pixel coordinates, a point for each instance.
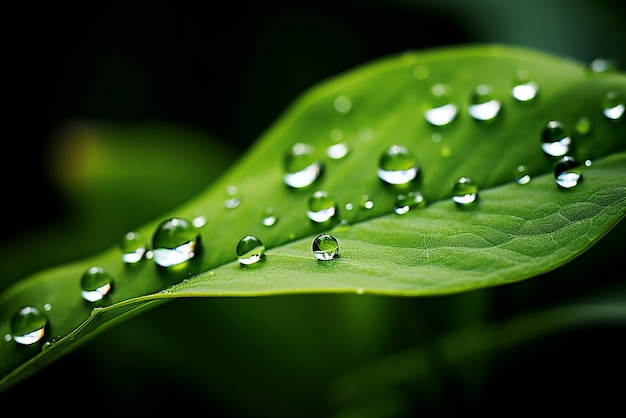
(441, 111)
(464, 192)
(250, 250)
(174, 242)
(321, 207)
(613, 106)
(28, 325)
(397, 165)
(269, 217)
(524, 89)
(366, 202)
(325, 247)
(302, 166)
(405, 202)
(233, 197)
(343, 105)
(555, 141)
(96, 283)
(567, 172)
(483, 104)
(521, 174)
(337, 151)
(133, 247)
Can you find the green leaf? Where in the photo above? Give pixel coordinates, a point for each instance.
(513, 232)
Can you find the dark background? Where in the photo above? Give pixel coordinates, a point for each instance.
(230, 68)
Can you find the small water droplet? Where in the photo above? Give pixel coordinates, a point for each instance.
(442, 111)
(366, 203)
(174, 242)
(464, 192)
(602, 65)
(325, 247)
(583, 126)
(524, 89)
(250, 250)
(405, 202)
(613, 106)
(28, 325)
(397, 165)
(233, 197)
(322, 207)
(483, 104)
(133, 247)
(521, 174)
(96, 283)
(302, 166)
(555, 142)
(269, 217)
(337, 151)
(199, 221)
(343, 104)
(567, 172)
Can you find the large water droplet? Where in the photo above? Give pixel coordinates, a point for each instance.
(28, 325)
(174, 242)
(322, 207)
(524, 89)
(337, 151)
(95, 284)
(521, 174)
(442, 111)
(397, 165)
(408, 201)
(250, 250)
(567, 172)
(464, 192)
(325, 247)
(133, 247)
(555, 142)
(302, 166)
(613, 106)
(483, 104)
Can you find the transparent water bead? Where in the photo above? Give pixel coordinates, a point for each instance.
(325, 247)
(613, 106)
(174, 242)
(321, 207)
(302, 166)
(567, 172)
(521, 174)
(233, 197)
(337, 151)
(464, 192)
(269, 217)
(366, 202)
(442, 110)
(28, 325)
(524, 89)
(250, 250)
(133, 247)
(397, 165)
(342, 104)
(555, 141)
(483, 104)
(95, 284)
(405, 202)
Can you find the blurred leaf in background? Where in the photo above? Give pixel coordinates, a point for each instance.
(164, 96)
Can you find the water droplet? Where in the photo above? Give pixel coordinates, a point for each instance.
(613, 106)
(442, 111)
(483, 105)
(95, 284)
(366, 203)
(602, 65)
(397, 165)
(408, 201)
(325, 247)
(337, 151)
(464, 192)
(233, 198)
(343, 105)
(420, 72)
(583, 126)
(554, 140)
(199, 221)
(269, 217)
(28, 325)
(521, 174)
(524, 89)
(302, 167)
(322, 207)
(250, 250)
(174, 242)
(567, 172)
(133, 247)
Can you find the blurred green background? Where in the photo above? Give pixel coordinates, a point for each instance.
(119, 111)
